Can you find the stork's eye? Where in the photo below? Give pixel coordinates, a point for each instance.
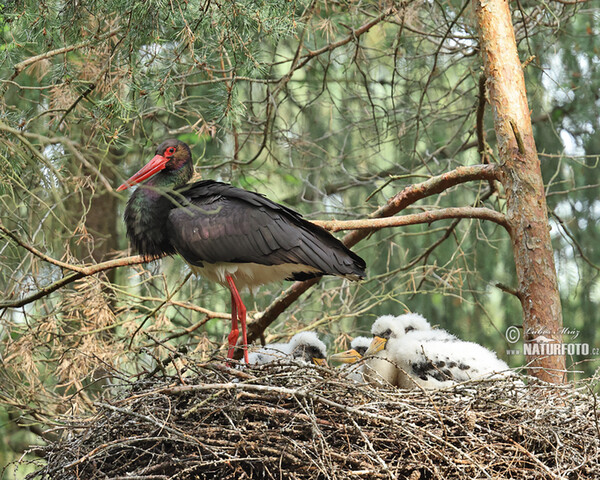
(170, 150)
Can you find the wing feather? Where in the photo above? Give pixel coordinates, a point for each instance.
(220, 223)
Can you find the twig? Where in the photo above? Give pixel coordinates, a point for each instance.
(19, 67)
(518, 138)
(511, 290)
(352, 37)
(79, 273)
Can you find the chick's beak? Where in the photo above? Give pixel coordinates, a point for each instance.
(349, 356)
(321, 362)
(377, 345)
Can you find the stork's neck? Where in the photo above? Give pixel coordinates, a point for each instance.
(148, 209)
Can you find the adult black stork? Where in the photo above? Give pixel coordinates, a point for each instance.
(231, 236)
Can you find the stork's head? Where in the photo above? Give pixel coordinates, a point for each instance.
(173, 161)
(358, 347)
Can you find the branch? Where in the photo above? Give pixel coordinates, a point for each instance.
(575, 242)
(36, 252)
(44, 140)
(42, 292)
(415, 219)
(19, 67)
(84, 270)
(78, 271)
(418, 191)
(352, 37)
(21, 136)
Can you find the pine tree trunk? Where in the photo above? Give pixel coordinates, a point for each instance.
(522, 181)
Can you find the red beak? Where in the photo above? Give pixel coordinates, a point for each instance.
(151, 168)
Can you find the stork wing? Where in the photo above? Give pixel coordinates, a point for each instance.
(455, 360)
(220, 223)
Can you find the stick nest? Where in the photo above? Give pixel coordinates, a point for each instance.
(302, 422)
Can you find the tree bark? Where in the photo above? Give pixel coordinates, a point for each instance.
(521, 177)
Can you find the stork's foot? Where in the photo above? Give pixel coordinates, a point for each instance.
(238, 312)
(232, 339)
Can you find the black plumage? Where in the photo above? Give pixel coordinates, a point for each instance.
(220, 223)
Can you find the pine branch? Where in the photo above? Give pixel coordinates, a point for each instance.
(481, 213)
(78, 271)
(19, 67)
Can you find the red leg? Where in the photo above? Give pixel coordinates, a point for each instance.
(239, 308)
(234, 333)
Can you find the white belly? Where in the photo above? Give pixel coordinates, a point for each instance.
(249, 275)
(379, 370)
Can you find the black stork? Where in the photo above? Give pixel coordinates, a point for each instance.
(231, 236)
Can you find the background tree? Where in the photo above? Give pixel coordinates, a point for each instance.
(339, 109)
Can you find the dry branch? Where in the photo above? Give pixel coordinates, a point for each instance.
(352, 37)
(19, 67)
(78, 271)
(481, 213)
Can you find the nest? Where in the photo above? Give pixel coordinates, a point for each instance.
(301, 422)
